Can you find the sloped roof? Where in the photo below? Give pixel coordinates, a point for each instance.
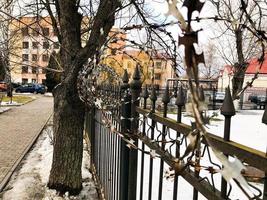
(254, 66)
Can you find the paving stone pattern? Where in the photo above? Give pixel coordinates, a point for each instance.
(18, 127)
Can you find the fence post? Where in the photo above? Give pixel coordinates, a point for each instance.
(125, 127)
(145, 95)
(165, 101)
(136, 87)
(153, 98)
(227, 110)
(213, 98)
(180, 102)
(264, 120)
(92, 133)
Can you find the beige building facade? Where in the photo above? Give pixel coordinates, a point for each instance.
(32, 41)
(157, 67)
(259, 85)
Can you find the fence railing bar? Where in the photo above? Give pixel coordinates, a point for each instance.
(153, 98)
(246, 154)
(201, 185)
(165, 100)
(145, 95)
(180, 102)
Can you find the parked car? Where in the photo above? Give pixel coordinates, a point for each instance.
(219, 96)
(3, 86)
(260, 100)
(32, 88)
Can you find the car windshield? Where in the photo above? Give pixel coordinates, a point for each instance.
(220, 93)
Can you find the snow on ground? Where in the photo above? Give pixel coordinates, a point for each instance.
(48, 94)
(8, 103)
(29, 182)
(4, 109)
(246, 129)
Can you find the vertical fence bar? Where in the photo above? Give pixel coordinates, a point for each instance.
(197, 152)
(145, 96)
(135, 87)
(92, 133)
(125, 127)
(153, 98)
(213, 98)
(165, 101)
(180, 102)
(264, 120)
(227, 111)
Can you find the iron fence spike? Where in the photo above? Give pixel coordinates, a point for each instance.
(136, 74)
(136, 83)
(145, 93)
(228, 108)
(125, 80)
(125, 76)
(166, 95)
(153, 95)
(180, 99)
(264, 117)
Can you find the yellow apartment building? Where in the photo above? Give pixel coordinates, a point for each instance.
(32, 41)
(157, 66)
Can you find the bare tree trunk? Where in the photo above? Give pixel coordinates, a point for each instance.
(69, 111)
(65, 174)
(240, 67)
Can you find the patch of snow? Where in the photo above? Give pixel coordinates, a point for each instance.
(246, 128)
(4, 109)
(29, 182)
(8, 103)
(48, 94)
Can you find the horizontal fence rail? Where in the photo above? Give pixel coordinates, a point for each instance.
(140, 153)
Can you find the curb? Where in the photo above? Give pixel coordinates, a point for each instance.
(18, 161)
(3, 111)
(21, 104)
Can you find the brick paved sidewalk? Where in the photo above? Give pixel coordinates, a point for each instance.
(19, 127)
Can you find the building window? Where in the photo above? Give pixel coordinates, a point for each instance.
(157, 76)
(24, 69)
(43, 70)
(25, 57)
(45, 31)
(35, 31)
(45, 45)
(24, 81)
(43, 81)
(56, 45)
(34, 57)
(158, 65)
(45, 57)
(33, 80)
(25, 45)
(25, 31)
(35, 45)
(34, 70)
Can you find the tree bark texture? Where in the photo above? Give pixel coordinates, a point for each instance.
(69, 110)
(65, 174)
(239, 67)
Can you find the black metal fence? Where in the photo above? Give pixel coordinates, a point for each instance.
(139, 153)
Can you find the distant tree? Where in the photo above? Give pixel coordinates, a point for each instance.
(212, 66)
(236, 43)
(5, 39)
(2, 69)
